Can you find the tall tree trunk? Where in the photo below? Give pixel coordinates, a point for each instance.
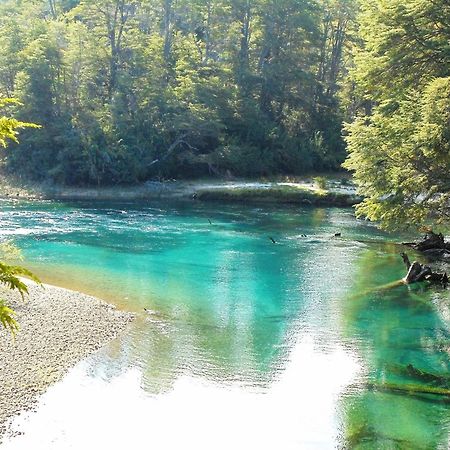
(168, 17)
(208, 43)
(52, 6)
(243, 15)
(338, 40)
(116, 19)
(267, 54)
(321, 72)
(245, 36)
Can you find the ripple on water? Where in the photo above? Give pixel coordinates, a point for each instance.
(288, 344)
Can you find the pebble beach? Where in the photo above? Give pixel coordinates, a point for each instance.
(58, 328)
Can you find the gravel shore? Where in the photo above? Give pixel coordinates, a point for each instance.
(58, 328)
(337, 193)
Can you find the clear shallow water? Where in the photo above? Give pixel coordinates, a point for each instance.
(285, 345)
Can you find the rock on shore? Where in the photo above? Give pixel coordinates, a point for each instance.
(58, 328)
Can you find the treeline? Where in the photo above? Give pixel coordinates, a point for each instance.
(129, 90)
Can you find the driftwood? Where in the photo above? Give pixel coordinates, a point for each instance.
(409, 371)
(418, 272)
(432, 245)
(412, 389)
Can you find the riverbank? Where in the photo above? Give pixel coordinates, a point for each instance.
(58, 328)
(332, 191)
(280, 193)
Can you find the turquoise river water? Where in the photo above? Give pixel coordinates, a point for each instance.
(251, 345)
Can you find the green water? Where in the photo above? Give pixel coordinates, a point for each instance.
(230, 306)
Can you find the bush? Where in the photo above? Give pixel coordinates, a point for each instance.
(321, 182)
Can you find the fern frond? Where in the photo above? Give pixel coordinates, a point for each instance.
(9, 126)
(7, 318)
(9, 276)
(5, 101)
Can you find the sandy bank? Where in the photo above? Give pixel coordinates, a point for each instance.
(58, 328)
(299, 192)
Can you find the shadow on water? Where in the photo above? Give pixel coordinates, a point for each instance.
(403, 399)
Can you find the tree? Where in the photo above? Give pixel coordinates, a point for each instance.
(401, 159)
(9, 275)
(201, 86)
(399, 146)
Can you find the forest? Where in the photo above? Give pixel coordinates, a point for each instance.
(126, 91)
(130, 91)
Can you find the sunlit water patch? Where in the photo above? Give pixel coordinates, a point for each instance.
(248, 344)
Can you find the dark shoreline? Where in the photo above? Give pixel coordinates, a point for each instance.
(296, 193)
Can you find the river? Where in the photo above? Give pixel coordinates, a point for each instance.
(248, 344)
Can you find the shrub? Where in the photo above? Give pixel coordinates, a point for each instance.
(321, 182)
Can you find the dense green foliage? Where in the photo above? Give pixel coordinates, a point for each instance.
(9, 275)
(400, 145)
(9, 126)
(129, 90)
(10, 279)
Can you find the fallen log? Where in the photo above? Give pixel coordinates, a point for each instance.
(432, 245)
(411, 389)
(441, 381)
(421, 376)
(418, 272)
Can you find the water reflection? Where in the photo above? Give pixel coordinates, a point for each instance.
(282, 329)
(228, 303)
(234, 313)
(403, 336)
(195, 414)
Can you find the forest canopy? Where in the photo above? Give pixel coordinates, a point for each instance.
(127, 91)
(400, 146)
